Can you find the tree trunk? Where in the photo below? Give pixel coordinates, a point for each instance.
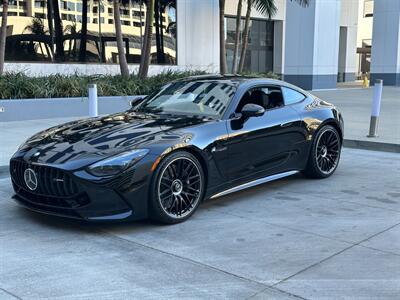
(245, 36)
(222, 51)
(82, 45)
(41, 49)
(158, 34)
(59, 32)
(120, 44)
(3, 35)
(51, 27)
(237, 37)
(148, 33)
(162, 9)
(49, 54)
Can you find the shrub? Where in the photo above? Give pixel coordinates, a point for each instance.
(20, 86)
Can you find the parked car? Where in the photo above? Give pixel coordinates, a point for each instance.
(194, 139)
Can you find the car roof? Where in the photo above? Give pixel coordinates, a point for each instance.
(237, 80)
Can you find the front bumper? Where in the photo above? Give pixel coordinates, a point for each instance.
(74, 195)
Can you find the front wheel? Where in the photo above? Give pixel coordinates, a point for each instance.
(177, 188)
(325, 153)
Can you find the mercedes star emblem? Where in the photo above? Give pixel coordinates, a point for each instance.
(30, 178)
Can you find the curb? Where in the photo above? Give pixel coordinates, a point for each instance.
(354, 144)
(374, 146)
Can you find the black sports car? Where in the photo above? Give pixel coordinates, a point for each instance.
(193, 139)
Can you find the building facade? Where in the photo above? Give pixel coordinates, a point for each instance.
(364, 37)
(314, 47)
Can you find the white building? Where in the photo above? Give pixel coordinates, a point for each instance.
(313, 47)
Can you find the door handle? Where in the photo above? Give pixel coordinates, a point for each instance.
(286, 124)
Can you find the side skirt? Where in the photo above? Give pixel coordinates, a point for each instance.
(254, 183)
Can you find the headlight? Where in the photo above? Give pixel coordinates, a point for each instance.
(116, 164)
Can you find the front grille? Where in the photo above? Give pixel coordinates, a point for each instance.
(55, 192)
(51, 181)
(52, 202)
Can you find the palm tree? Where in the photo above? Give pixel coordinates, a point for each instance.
(159, 10)
(123, 64)
(37, 28)
(157, 17)
(263, 6)
(3, 35)
(58, 31)
(237, 36)
(148, 34)
(72, 29)
(222, 51)
(82, 46)
(245, 35)
(50, 19)
(266, 7)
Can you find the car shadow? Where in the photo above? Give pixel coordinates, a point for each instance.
(142, 225)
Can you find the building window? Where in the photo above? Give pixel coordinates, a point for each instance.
(70, 6)
(137, 13)
(368, 8)
(79, 7)
(40, 16)
(259, 55)
(31, 48)
(40, 4)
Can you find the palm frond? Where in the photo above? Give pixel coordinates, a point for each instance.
(36, 27)
(266, 7)
(303, 3)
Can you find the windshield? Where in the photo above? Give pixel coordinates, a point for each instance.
(204, 98)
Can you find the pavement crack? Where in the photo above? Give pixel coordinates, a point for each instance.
(380, 250)
(372, 206)
(11, 294)
(335, 254)
(266, 286)
(277, 290)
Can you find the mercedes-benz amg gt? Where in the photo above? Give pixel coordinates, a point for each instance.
(191, 140)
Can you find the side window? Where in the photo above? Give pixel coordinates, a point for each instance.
(269, 97)
(291, 96)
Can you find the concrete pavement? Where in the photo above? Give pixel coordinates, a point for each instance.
(295, 238)
(355, 105)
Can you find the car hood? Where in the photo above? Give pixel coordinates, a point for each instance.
(85, 141)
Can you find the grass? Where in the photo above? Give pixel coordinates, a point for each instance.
(21, 86)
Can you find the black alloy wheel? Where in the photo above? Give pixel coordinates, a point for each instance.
(178, 188)
(325, 153)
(328, 151)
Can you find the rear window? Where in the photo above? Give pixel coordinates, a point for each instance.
(291, 96)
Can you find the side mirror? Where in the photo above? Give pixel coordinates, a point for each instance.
(252, 110)
(136, 101)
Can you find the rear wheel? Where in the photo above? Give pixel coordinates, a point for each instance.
(177, 188)
(325, 153)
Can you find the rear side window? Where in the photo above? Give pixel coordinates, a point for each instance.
(291, 96)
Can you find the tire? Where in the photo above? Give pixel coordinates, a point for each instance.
(324, 154)
(177, 188)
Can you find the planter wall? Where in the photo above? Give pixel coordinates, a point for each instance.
(34, 109)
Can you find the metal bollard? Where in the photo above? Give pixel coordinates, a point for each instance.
(93, 103)
(376, 108)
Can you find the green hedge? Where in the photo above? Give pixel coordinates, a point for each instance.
(20, 86)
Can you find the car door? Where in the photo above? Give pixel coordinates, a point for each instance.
(264, 145)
